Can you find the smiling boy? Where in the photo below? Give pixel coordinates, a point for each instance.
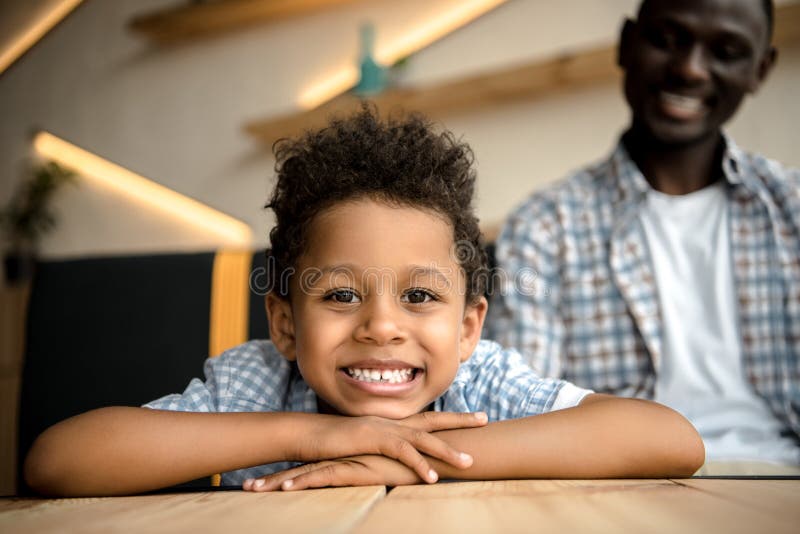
(374, 358)
(381, 343)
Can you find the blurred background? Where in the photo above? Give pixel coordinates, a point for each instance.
(164, 111)
(175, 112)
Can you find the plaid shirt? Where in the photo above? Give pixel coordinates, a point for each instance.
(254, 377)
(579, 298)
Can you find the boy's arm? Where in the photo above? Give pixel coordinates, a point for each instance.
(121, 450)
(603, 437)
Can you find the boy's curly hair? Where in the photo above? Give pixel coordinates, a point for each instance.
(401, 161)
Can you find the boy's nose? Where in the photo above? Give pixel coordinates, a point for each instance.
(380, 324)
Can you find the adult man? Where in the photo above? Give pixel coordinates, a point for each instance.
(671, 270)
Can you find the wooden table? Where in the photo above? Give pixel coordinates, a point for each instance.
(219, 512)
(566, 506)
(640, 506)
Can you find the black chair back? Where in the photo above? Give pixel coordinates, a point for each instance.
(111, 331)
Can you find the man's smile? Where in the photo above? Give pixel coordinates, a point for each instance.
(682, 107)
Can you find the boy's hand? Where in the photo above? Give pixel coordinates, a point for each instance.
(367, 470)
(403, 440)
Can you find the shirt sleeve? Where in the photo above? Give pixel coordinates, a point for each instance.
(569, 396)
(198, 396)
(249, 378)
(499, 382)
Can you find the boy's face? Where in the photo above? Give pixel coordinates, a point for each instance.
(377, 319)
(689, 63)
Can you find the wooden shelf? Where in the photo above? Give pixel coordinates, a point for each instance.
(201, 19)
(568, 71)
(467, 93)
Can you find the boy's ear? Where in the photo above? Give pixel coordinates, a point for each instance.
(471, 327)
(281, 325)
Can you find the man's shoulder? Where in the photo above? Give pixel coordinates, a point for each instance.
(772, 174)
(547, 210)
(586, 184)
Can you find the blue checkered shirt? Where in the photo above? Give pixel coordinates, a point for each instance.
(578, 296)
(254, 377)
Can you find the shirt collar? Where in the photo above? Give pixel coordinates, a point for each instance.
(739, 171)
(733, 162)
(632, 187)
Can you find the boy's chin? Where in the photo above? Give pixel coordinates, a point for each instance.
(383, 410)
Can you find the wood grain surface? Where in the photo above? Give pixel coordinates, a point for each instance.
(324, 510)
(543, 506)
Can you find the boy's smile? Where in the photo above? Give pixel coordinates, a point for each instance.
(377, 319)
(382, 372)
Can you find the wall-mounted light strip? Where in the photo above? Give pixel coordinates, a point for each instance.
(37, 29)
(386, 54)
(110, 175)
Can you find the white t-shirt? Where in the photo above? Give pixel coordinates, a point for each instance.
(700, 371)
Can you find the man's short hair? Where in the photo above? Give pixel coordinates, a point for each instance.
(767, 5)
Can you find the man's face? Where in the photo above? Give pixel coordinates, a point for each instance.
(689, 63)
(378, 310)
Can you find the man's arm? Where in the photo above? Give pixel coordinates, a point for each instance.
(603, 437)
(120, 450)
(524, 311)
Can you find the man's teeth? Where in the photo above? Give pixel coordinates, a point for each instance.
(391, 376)
(688, 103)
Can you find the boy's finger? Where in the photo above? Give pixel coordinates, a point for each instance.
(406, 453)
(437, 448)
(273, 482)
(268, 483)
(335, 474)
(433, 421)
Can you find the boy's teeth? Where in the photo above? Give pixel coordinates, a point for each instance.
(392, 376)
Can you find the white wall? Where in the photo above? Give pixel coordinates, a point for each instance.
(175, 114)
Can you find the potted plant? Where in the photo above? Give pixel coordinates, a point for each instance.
(27, 217)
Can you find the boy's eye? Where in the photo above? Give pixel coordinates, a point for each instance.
(418, 296)
(342, 296)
